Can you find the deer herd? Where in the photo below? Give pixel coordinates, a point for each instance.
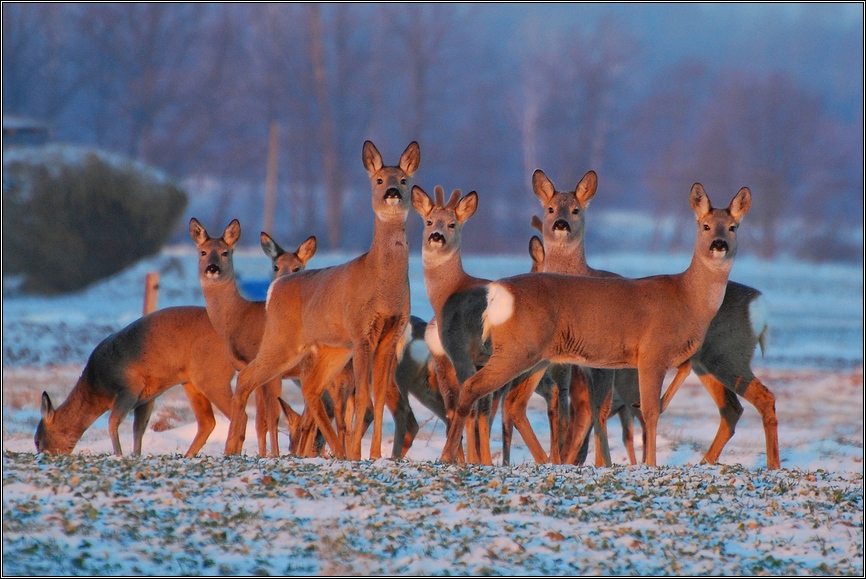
(591, 342)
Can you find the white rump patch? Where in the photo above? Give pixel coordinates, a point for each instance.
(759, 319)
(431, 337)
(268, 298)
(500, 308)
(418, 351)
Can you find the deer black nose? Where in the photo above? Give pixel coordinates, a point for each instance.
(212, 269)
(561, 225)
(437, 237)
(719, 245)
(393, 193)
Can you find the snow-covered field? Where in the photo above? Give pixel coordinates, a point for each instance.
(91, 514)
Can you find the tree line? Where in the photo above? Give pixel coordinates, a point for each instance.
(490, 92)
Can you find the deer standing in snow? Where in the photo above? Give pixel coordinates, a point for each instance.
(238, 321)
(458, 300)
(651, 323)
(131, 367)
(356, 310)
(723, 363)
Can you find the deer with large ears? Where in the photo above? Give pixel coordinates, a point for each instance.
(458, 300)
(652, 323)
(723, 363)
(241, 322)
(133, 366)
(356, 310)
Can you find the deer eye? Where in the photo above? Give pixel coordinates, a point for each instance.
(203, 253)
(402, 181)
(732, 228)
(225, 254)
(451, 226)
(550, 209)
(276, 268)
(429, 223)
(379, 181)
(575, 211)
(706, 227)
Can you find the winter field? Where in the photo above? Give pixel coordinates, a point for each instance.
(95, 514)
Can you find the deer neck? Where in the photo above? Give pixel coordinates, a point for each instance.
(79, 411)
(706, 283)
(566, 258)
(443, 277)
(389, 252)
(224, 304)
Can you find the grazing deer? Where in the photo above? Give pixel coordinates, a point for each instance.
(131, 367)
(356, 310)
(723, 363)
(651, 323)
(238, 321)
(458, 300)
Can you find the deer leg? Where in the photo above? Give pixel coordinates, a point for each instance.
(682, 372)
(601, 392)
(516, 402)
(313, 383)
(763, 400)
(405, 424)
(204, 418)
(626, 418)
(650, 378)
(264, 368)
(498, 372)
(580, 415)
(141, 417)
(361, 361)
(730, 411)
(267, 405)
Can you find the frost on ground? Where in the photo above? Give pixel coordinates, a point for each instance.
(100, 515)
(95, 514)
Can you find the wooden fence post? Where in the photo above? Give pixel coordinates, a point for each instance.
(151, 292)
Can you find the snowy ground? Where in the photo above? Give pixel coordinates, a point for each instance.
(95, 514)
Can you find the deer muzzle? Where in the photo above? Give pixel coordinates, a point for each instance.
(212, 270)
(562, 225)
(436, 238)
(393, 196)
(719, 248)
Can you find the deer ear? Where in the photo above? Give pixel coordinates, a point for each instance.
(411, 158)
(585, 190)
(699, 201)
(197, 232)
(467, 206)
(536, 252)
(307, 249)
(536, 223)
(232, 232)
(371, 157)
(270, 247)
(47, 409)
(542, 186)
(421, 201)
(740, 203)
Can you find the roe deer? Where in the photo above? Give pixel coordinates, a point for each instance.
(416, 373)
(131, 367)
(356, 310)
(240, 322)
(723, 363)
(458, 300)
(651, 323)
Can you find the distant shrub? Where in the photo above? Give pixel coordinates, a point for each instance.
(70, 221)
